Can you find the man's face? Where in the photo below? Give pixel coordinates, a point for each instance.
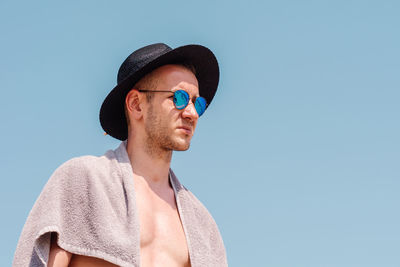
(167, 127)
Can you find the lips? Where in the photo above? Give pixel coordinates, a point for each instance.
(186, 129)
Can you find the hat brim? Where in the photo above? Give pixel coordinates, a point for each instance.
(112, 112)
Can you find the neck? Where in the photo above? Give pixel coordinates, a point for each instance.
(150, 163)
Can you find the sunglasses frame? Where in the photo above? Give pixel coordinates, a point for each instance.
(165, 91)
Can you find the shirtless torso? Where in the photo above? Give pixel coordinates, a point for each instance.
(162, 238)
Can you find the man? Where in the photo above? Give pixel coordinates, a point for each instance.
(127, 208)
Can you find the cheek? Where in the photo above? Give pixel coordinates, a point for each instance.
(167, 107)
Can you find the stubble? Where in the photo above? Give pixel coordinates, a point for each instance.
(158, 141)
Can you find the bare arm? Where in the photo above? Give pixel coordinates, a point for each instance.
(58, 257)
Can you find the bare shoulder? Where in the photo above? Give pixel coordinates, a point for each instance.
(62, 258)
(58, 256)
(84, 261)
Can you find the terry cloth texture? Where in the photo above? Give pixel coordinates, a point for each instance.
(90, 203)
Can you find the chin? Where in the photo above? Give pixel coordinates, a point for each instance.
(180, 142)
(181, 145)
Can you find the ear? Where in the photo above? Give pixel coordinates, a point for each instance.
(133, 104)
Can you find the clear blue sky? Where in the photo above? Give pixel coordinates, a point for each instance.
(298, 156)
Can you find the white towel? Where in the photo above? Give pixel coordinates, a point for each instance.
(90, 203)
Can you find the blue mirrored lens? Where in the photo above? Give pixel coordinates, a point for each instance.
(181, 99)
(200, 105)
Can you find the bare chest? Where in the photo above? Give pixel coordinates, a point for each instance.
(162, 238)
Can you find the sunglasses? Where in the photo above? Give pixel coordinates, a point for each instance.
(182, 98)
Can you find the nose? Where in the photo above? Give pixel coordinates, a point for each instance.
(190, 112)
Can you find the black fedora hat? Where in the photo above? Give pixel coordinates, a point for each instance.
(142, 62)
